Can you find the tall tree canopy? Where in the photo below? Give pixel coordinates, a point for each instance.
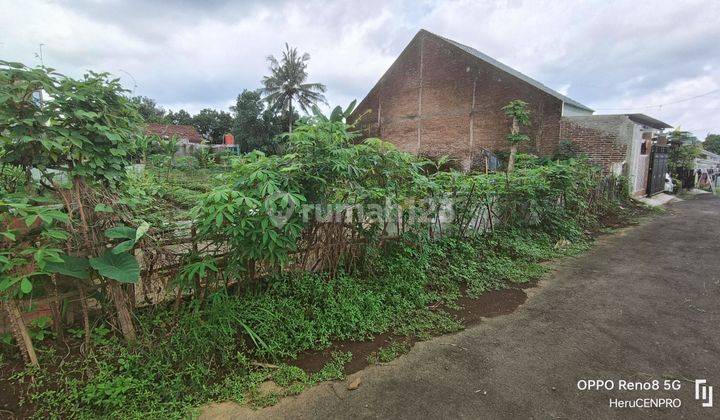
(712, 143)
(181, 117)
(213, 124)
(256, 126)
(684, 137)
(287, 83)
(149, 109)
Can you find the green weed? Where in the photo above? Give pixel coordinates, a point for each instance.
(388, 353)
(334, 369)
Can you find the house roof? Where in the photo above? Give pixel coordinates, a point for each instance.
(649, 121)
(184, 132)
(507, 69)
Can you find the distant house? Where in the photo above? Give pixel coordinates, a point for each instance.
(184, 133)
(708, 161)
(442, 97)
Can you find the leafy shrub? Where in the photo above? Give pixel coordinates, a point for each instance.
(504, 226)
(204, 157)
(186, 163)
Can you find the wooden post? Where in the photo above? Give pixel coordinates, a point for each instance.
(123, 313)
(21, 333)
(55, 310)
(85, 313)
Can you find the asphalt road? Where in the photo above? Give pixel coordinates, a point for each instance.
(642, 305)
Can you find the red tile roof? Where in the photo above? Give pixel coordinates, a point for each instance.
(183, 132)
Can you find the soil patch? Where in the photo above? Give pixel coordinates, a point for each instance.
(471, 312)
(9, 391)
(490, 304)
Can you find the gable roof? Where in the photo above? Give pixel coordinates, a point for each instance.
(183, 132)
(507, 69)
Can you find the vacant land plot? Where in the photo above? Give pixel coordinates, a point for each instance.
(641, 305)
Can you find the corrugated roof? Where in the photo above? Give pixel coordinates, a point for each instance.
(507, 69)
(649, 121)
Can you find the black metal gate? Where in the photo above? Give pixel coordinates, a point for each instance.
(658, 169)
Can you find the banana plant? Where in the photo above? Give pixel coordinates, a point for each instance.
(337, 114)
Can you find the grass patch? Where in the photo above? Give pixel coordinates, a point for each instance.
(206, 354)
(388, 353)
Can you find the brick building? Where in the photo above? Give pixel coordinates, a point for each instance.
(441, 97)
(620, 144)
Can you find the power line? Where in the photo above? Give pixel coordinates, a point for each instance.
(135, 85)
(660, 105)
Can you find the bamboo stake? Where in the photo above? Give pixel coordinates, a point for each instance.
(121, 305)
(86, 314)
(21, 333)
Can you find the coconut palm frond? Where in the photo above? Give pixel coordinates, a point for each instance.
(286, 83)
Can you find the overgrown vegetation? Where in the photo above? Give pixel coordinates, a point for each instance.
(242, 263)
(259, 116)
(685, 148)
(520, 116)
(712, 143)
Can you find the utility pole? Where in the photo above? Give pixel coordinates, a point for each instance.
(42, 63)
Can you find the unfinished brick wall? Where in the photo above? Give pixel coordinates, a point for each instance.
(437, 99)
(604, 139)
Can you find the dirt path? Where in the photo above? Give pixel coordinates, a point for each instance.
(643, 304)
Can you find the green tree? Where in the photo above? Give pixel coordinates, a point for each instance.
(288, 82)
(712, 143)
(683, 137)
(517, 110)
(213, 124)
(683, 156)
(181, 117)
(255, 126)
(148, 109)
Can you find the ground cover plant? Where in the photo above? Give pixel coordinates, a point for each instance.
(252, 260)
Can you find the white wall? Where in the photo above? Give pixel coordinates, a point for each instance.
(638, 164)
(573, 111)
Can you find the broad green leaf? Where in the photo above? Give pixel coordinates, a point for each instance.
(8, 234)
(121, 232)
(141, 230)
(26, 286)
(121, 267)
(103, 208)
(123, 246)
(56, 234)
(5, 284)
(30, 220)
(76, 267)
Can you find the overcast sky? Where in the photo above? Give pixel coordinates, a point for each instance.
(614, 56)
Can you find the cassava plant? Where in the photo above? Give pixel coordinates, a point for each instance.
(258, 215)
(30, 238)
(518, 111)
(77, 144)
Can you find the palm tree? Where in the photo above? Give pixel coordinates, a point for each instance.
(287, 83)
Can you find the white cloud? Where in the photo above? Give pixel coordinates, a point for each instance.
(196, 54)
